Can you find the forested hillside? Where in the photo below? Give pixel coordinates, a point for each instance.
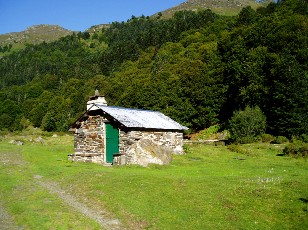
(197, 67)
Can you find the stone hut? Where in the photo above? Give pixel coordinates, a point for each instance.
(115, 135)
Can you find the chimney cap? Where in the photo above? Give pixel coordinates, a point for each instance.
(96, 95)
(96, 99)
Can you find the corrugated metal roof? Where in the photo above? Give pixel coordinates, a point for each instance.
(137, 118)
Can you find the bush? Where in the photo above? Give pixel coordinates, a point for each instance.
(209, 133)
(304, 138)
(245, 126)
(267, 138)
(296, 149)
(281, 140)
(301, 138)
(186, 149)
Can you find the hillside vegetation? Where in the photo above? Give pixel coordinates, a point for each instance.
(196, 67)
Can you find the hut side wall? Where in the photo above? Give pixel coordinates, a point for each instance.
(89, 141)
(145, 147)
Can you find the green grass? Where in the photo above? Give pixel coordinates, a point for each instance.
(208, 188)
(31, 206)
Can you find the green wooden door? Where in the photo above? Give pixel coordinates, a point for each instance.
(112, 142)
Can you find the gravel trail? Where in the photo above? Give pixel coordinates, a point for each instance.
(6, 221)
(98, 215)
(8, 160)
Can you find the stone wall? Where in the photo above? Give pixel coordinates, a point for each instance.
(136, 147)
(89, 141)
(143, 147)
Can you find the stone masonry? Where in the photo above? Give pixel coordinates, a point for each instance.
(135, 147)
(89, 141)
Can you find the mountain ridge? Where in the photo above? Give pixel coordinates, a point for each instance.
(224, 7)
(42, 31)
(33, 35)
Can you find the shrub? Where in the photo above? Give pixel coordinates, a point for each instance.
(303, 150)
(281, 140)
(211, 133)
(4, 132)
(267, 138)
(301, 138)
(186, 149)
(245, 126)
(296, 149)
(304, 138)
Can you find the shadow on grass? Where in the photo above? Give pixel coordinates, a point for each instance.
(305, 200)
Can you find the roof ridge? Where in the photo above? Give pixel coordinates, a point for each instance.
(121, 107)
(140, 118)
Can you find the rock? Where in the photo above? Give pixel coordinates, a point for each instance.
(14, 142)
(146, 152)
(55, 135)
(19, 143)
(40, 140)
(37, 176)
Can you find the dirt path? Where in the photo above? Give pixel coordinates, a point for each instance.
(6, 221)
(98, 215)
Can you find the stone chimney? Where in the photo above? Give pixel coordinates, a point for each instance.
(96, 99)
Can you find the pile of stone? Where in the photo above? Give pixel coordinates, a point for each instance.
(15, 142)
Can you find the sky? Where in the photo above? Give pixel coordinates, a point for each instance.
(76, 15)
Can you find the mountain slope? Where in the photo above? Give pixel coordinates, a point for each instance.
(33, 35)
(224, 7)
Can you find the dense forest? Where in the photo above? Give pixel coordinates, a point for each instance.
(197, 67)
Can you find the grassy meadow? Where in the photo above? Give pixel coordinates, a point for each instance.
(210, 187)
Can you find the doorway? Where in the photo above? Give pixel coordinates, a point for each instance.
(112, 142)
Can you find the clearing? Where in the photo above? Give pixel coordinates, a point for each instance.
(208, 188)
